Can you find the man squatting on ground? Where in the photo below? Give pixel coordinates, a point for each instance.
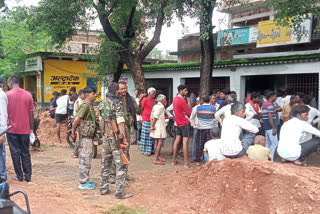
(86, 120)
(237, 134)
(111, 109)
(291, 144)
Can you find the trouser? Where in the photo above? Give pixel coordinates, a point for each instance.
(20, 154)
(126, 152)
(137, 133)
(203, 135)
(85, 157)
(194, 137)
(271, 142)
(3, 170)
(110, 155)
(308, 147)
(36, 123)
(246, 140)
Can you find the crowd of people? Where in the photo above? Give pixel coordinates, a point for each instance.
(267, 125)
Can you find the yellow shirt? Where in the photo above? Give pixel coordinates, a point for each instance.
(258, 152)
(286, 110)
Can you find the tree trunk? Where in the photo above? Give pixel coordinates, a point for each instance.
(207, 52)
(117, 74)
(135, 68)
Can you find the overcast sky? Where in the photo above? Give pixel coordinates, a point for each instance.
(169, 36)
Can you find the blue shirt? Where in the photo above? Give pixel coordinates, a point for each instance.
(205, 114)
(219, 101)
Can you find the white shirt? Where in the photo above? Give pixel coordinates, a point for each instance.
(285, 100)
(75, 111)
(254, 121)
(193, 117)
(226, 111)
(170, 108)
(213, 149)
(3, 110)
(231, 130)
(312, 114)
(62, 104)
(292, 135)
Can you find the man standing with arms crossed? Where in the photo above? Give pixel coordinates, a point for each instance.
(111, 110)
(3, 126)
(182, 112)
(20, 116)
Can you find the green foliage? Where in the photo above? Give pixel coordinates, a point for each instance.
(122, 209)
(159, 54)
(298, 10)
(233, 62)
(17, 40)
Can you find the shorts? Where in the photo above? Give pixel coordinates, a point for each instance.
(183, 131)
(60, 117)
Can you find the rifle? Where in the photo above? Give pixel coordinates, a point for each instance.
(118, 140)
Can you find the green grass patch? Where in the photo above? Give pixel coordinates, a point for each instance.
(122, 209)
(231, 62)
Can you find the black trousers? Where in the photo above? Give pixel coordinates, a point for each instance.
(19, 149)
(308, 147)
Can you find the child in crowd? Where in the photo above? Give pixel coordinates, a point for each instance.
(212, 147)
(259, 151)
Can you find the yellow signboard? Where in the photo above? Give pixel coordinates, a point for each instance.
(64, 74)
(271, 34)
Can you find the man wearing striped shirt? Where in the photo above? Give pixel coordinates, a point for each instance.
(237, 134)
(270, 122)
(205, 115)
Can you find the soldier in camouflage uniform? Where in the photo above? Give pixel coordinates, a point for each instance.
(130, 109)
(111, 109)
(87, 127)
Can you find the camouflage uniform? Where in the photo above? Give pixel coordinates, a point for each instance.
(110, 110)
(128, 123)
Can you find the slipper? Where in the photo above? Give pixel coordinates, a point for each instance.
(187, 166)
(75, 156)
(175, 163)
(285, 161)
(158, 162)
(162, 159)
(299, 163)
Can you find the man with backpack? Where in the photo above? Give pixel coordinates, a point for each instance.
(86, 120)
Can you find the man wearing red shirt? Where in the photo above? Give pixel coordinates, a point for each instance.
(147, 141)
(182, 112)
(20, 117)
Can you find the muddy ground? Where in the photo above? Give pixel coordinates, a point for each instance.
(230, 186)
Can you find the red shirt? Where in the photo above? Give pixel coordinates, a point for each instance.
(20, 103)
(181, 111)
(147, 108)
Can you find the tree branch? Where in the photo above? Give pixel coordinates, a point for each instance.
(107, 28)
(129, 32)
(143, 53)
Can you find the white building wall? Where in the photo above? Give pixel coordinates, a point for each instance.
(237, 75)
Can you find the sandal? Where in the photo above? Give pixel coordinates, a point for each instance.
(159, 162)
(299, 163)
(162, 159)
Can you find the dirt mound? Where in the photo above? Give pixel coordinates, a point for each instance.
(256, 186)
(47, 133)
(238, 186)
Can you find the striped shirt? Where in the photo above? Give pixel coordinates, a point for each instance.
(205, 115)
(268, 107)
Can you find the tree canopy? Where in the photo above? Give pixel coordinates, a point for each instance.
(17, 40)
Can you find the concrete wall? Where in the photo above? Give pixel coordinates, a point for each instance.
(237, 76)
